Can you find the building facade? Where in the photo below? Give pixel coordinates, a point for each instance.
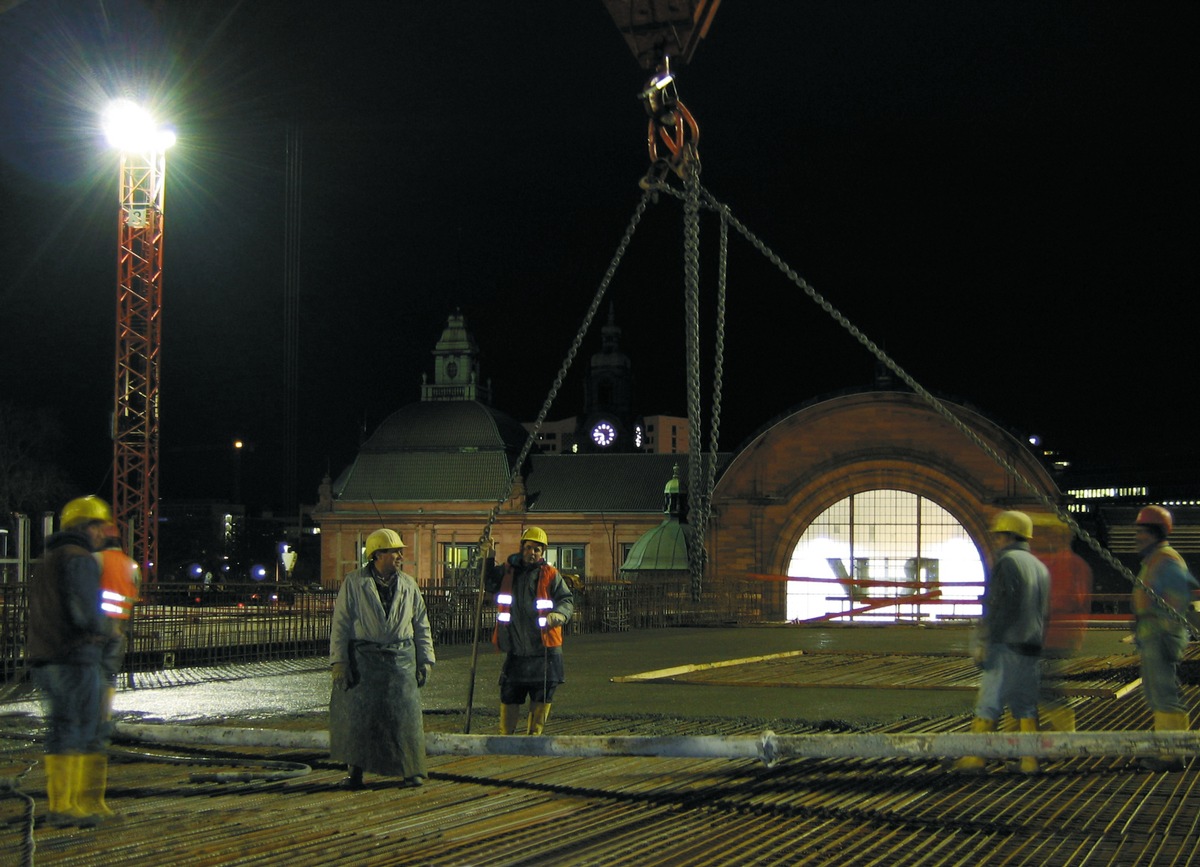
(856, 493)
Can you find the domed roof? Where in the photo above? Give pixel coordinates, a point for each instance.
(663, 549)
(447, 426)
(435, 451)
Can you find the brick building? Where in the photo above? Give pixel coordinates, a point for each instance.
(868, 486)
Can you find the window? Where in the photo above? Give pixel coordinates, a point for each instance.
(884, 545)
(456, 565)
(566, 558)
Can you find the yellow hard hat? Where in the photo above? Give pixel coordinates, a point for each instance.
(1014, 522)
(84, 510)
(535, 534)
(383, 539)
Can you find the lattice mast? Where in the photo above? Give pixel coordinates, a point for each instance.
(139, 344)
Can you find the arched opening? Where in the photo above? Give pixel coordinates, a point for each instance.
(885, 555)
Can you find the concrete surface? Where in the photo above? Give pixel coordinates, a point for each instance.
(259, 693)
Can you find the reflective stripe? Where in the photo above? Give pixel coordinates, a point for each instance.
(114, 596)
(551, 636)
(111, 609)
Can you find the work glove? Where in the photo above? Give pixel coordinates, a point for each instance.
(338, 674)
(422, 675)
(555, 619)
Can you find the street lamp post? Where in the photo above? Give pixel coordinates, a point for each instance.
(135, 428)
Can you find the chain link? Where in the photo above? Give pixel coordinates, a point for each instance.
(718, 370)
(691, 274)
(939, 407)
(475, 562)
(614, 263)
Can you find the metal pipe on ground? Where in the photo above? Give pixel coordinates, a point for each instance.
(767, 747)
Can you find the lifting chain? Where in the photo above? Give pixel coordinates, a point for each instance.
(939, 407)
(477, 562)
(691, 283)
(701, 473)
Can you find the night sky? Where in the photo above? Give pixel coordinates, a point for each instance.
(1002, 195)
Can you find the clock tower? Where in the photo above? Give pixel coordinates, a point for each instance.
(456, 366)
(607, 421)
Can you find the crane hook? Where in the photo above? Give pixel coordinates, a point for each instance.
(671, 124)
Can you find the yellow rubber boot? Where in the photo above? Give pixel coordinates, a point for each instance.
(509, 713)
(975, 764)
(1059, 717)
(62, 784)
(1029, 764)
(538, 714)
(58, 786)
(93, 780)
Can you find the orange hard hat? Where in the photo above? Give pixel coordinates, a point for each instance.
(1156, 515)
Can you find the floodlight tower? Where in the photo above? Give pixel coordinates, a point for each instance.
(142, 146)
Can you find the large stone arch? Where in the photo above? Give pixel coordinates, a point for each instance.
(801, 464)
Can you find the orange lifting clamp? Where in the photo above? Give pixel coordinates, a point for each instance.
(656, 30)
(671, 123)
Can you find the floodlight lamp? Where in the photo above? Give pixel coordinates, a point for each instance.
(130, 128)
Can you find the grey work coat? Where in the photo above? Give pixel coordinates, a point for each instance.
(375, 723)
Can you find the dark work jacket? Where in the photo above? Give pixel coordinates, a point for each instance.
(522, 636)
(66, 624)
(1016, 606)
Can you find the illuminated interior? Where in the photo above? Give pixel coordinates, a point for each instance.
(885, 555)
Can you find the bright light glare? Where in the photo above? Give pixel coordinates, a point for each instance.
(949, 562)
(130, 128)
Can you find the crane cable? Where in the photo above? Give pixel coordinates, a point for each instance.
(701, 473)
(477, 561)
(1094, 544)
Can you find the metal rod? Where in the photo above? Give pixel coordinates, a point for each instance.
(483, 543)
(767, 747)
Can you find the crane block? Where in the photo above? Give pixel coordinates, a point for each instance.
(654, 29)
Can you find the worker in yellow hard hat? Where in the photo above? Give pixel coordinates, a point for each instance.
(1160, 632)
(533, 603)
(67, 632)
(380, 652)
(1008, 642)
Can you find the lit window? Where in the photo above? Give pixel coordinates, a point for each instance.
(881, 545)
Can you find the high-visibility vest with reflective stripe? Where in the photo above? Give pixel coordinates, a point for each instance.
(118, 583)
(543, 605)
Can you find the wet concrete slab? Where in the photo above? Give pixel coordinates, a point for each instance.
(260, 692)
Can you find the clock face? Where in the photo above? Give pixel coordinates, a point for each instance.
(603, 434)
(452, 369)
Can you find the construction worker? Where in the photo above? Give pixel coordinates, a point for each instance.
(1070, 606)
(533, 602)
(1159, 631)
(67, 633)
(119, 589)
(1007, 645)
(381, 651)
